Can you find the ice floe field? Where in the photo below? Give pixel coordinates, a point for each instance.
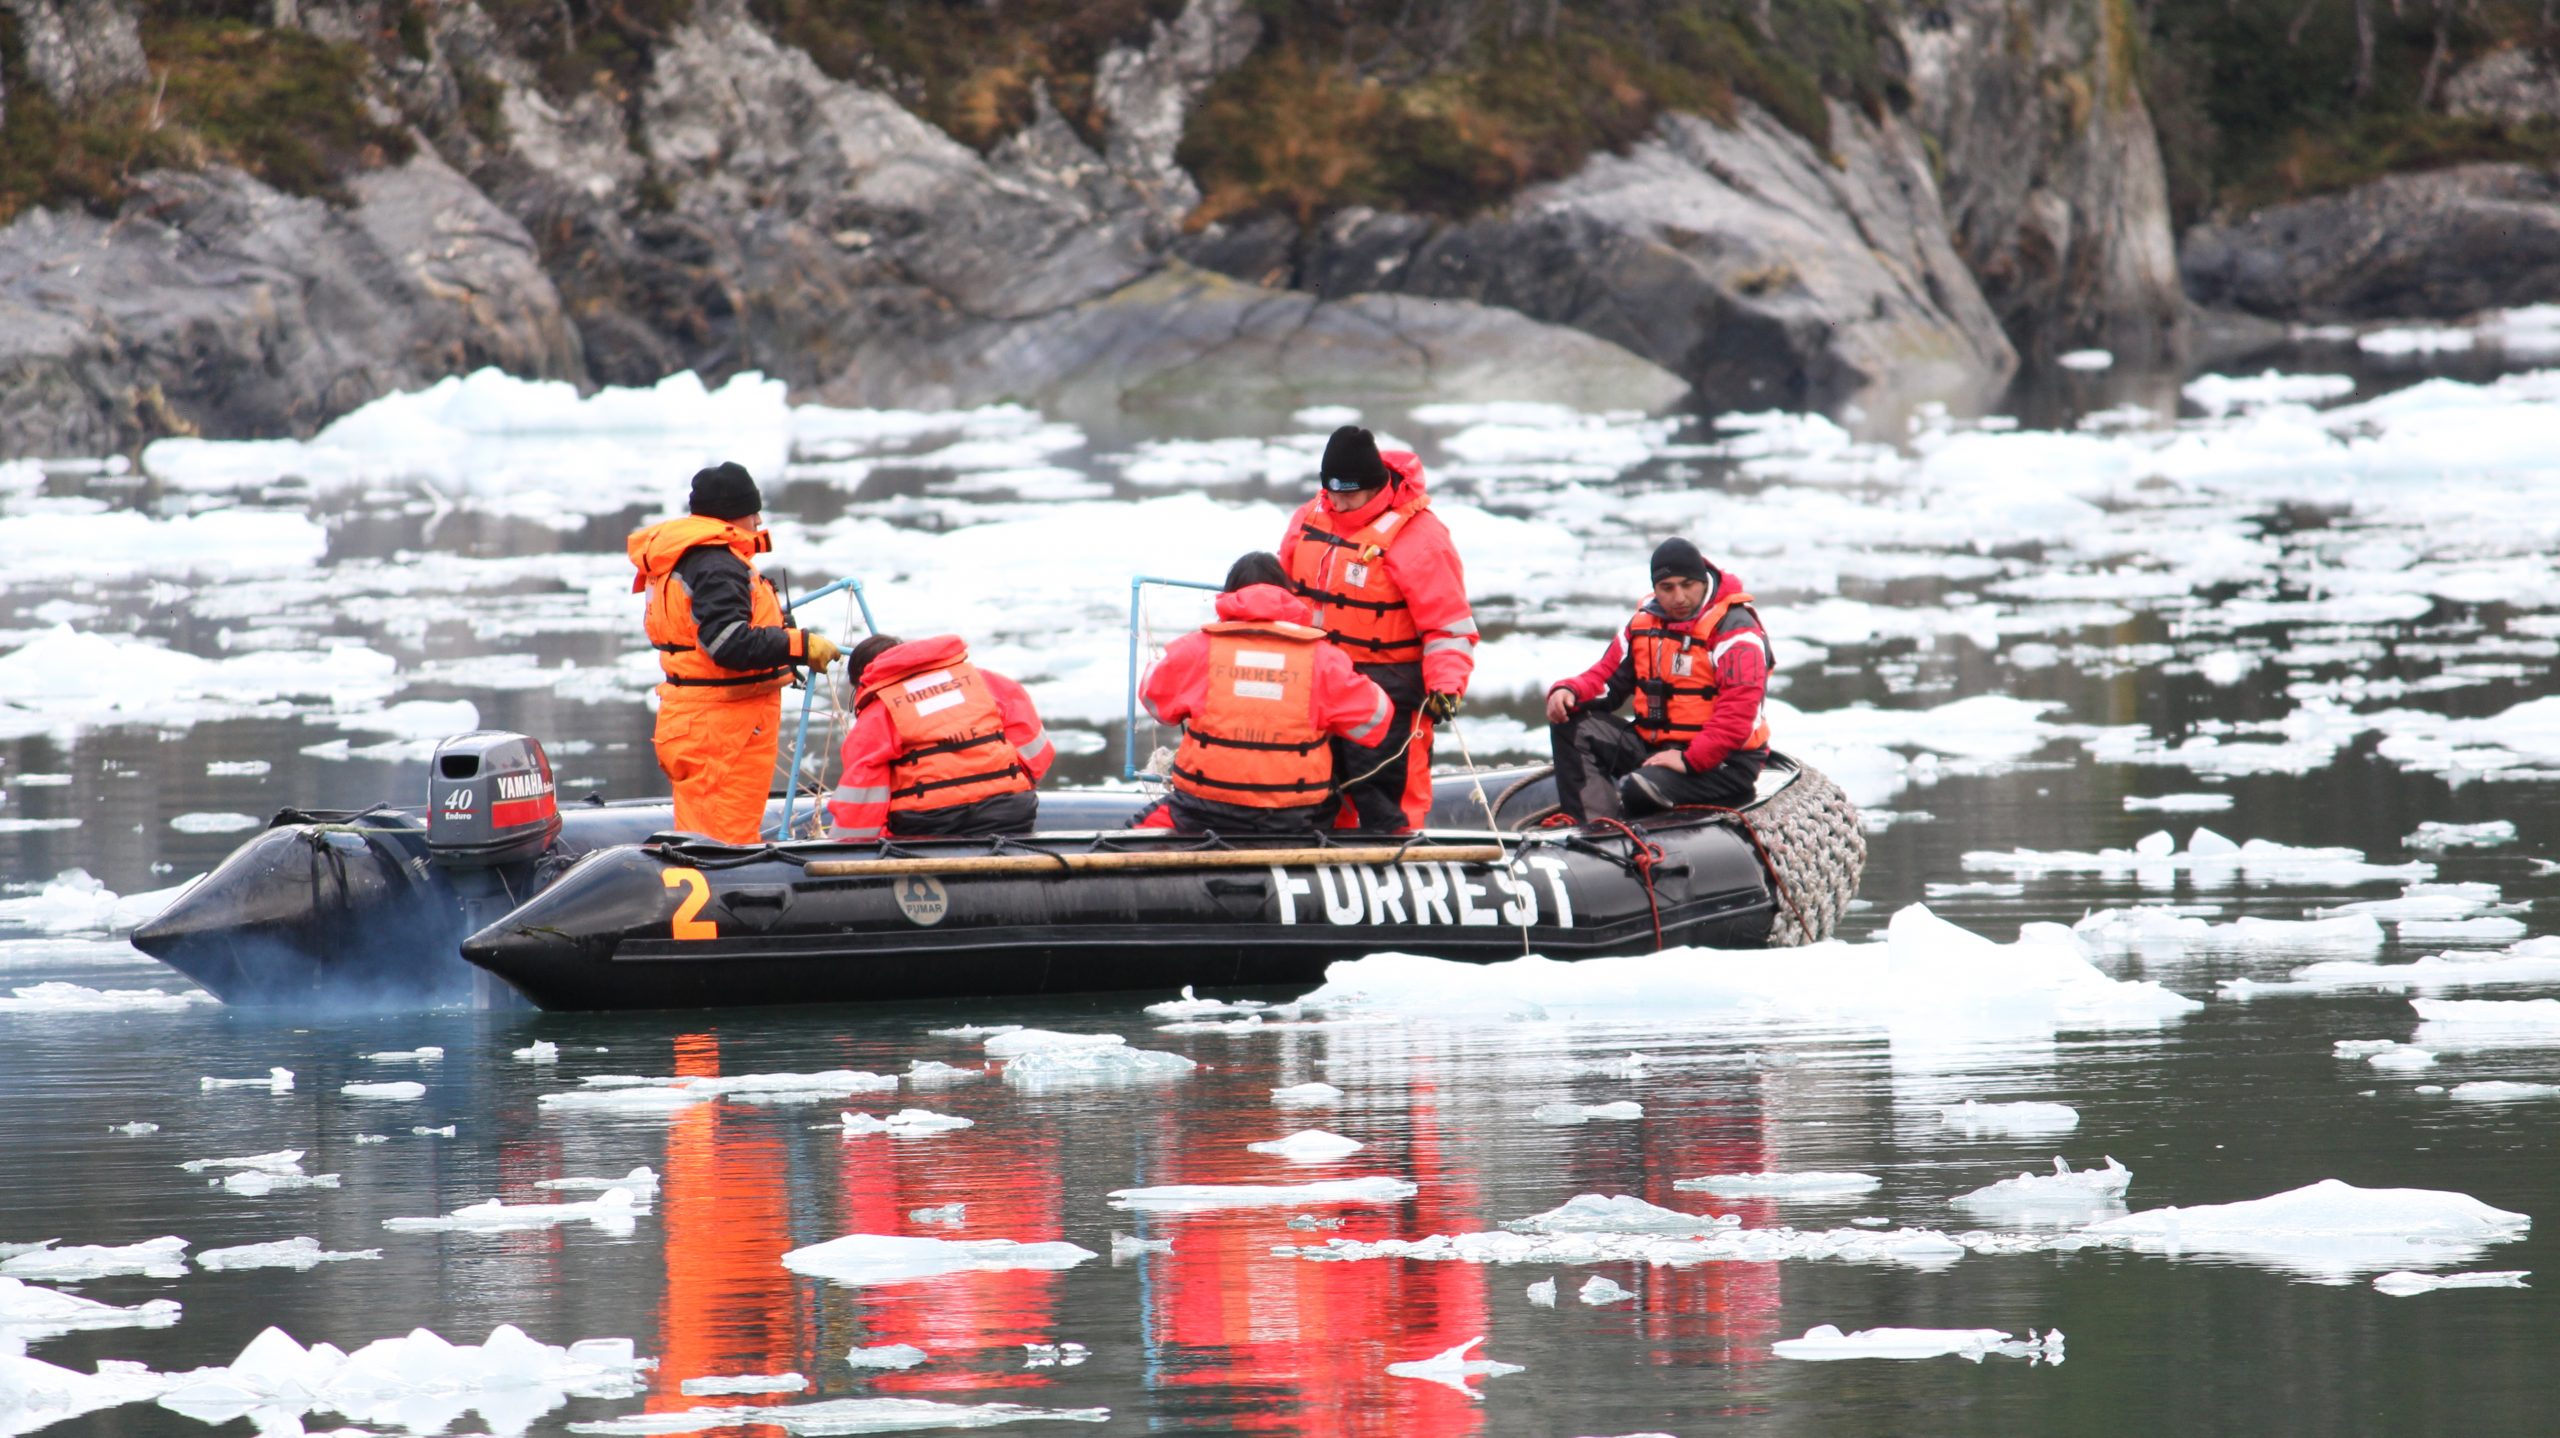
(2190, 1065)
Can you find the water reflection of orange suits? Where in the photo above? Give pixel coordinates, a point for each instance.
(726, 1208)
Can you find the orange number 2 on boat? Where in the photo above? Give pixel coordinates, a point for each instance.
(697, 893)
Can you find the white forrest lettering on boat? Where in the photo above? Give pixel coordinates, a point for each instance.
(1425, 894)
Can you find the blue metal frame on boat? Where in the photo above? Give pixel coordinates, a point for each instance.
(809, 690)
(1129, 736)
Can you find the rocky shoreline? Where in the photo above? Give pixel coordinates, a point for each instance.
(739, 209)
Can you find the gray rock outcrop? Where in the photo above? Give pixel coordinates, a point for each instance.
(2444, 243)
(1763, 271)
(2053, 189)
(1184, 342)
(216, 305)
(80, 51)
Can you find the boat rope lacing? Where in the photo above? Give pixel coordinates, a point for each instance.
(1642, 855)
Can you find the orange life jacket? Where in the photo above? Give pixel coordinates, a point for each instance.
(951, 744)
(669, 619)
(1255, 741)
(1675, 691)
(1346, 576)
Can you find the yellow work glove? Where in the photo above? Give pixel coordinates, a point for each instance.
(822, 651)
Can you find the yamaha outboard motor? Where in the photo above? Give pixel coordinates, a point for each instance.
(491, 813)
(489, 801)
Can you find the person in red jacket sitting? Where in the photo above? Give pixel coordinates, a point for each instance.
(939, 746)
(1388, 588)
(1696, 662)
(1261, 695)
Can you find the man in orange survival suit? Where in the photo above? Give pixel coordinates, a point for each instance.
(1259, 693)
(1388, 588)
(718, 628)
(1696, 662)
(939, 746)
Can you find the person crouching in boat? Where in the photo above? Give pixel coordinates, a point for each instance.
(719, 714)
(1388, 588)
(939, 746)
(1261, 694)
(1696, 662)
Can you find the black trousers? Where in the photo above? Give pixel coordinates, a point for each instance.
(1192, 815)
(1600, 772)
(1003, 814)
(1377, 775)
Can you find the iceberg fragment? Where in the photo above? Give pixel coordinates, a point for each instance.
(1824, 1342)
(615, 1211)
(1600, 1291)
(1204, 1197)
(2404, 1284)
(1310, 1145)
(2327, 1229)
(1452, 1368)
(1780, 1185)
(866, 1258)
(890, 1356)
(1975, 1119)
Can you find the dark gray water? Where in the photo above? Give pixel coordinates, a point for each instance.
(2234, 1101)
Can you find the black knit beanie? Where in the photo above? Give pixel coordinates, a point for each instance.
(1351, 461)
(872, 647)
(1678, 558)
(725, 491)
(1259, 567)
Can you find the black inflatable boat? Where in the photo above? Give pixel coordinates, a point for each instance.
(493, 896)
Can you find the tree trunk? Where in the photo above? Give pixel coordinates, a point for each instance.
(2362, 82)
(2436, 58)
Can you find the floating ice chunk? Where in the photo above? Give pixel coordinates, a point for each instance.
(1976, 1119)
(905, 1123)
(933, 1073)
(66, 998)
(643, 1100)
(2416, 340)
(1015, 1042)
(1204, 1197)
(258, 1183)
(36, 1395)
(2056, 1197)
(283, 1160)
(2503, 1091)
(427, 1054)
(418, 1382)
(278, 1080)
(2487, 929)
(632, 1094)
(2404, 1284)
(2402, 1059)
(1620, 1213)
(2327, 1229)
(838, 1415)
(540, 1051)
(1306, 1095)
(422, 1131)
(1092, 1063)
(29, 1314)
(2147, 926)
(615, 1211)
(866, 1258)
(136, 1128)
(1452, 1368)
(1190, 1006)
(1781, 1185)
(1543, 1293)
(2434, 838)
(398, 1091)
(2209, 857)
(164, 1257)
(1824, 1342)
(299, 1254)
(1925, 975)
(949, 1215)
(974, 1031)
(237, 768)
(887, 1355)
(2085, 360)
(2487, 1023)
(642, 1182)
(743, 1383)
(1054, 1355)
(2177, 803)
(373, 1138)
(2218, 395)
(215, 822)
(1566, 1114)
(1985, 889)
(1600, 1291)
(1125, 1247)
(1310, 1145)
